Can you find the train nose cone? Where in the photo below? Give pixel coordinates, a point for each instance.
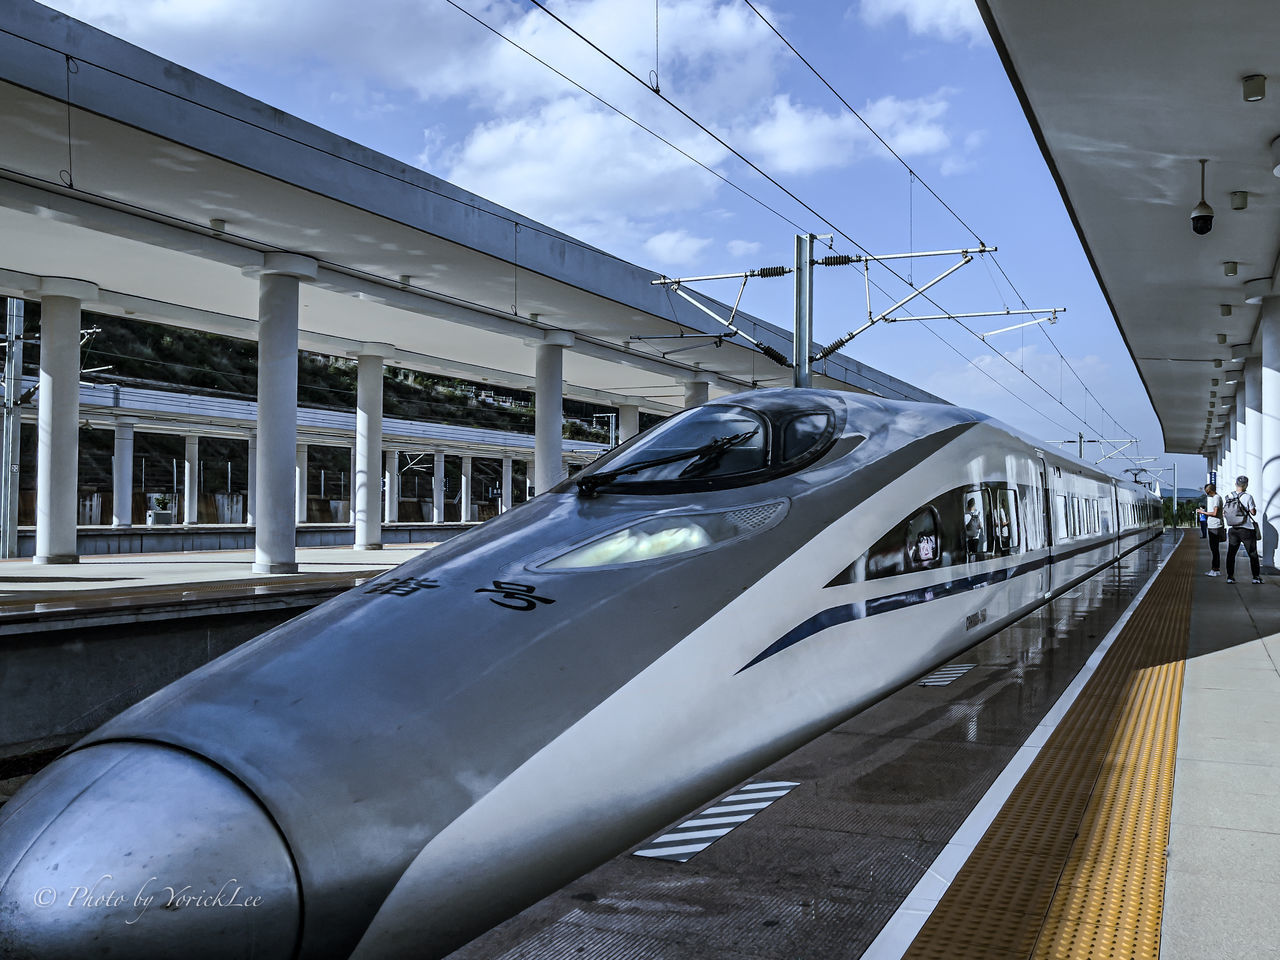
(140, 851)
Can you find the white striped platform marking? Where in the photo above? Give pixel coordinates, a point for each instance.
(752, 797)
(945, 675)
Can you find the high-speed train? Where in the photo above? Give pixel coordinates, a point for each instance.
(397, 770)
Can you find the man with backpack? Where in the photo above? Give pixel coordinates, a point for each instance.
(1239, 510)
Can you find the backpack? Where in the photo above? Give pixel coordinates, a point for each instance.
(1233, 511)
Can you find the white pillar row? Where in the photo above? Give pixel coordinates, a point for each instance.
(275, 537)
(122, 475)
(367, 475)
(1267, 493)
(548, 422)
(351, 486)
(464, 502)
(300, 483)
(190, 480)
(628, 421)
(696, 390)
(528, 478)
(251, 494)
(1253, 419)
(505, 504)
(437, 487)
(391, 481)
(58, 412)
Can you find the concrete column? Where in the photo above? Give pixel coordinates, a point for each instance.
(505, 505)
(695, 391)
(1267, 493)
(251, 495)
(464, 502)
(628, 421)
(276, 506)
(300, 483)
(351, 491)
(437, 488)
(528, 478)
(122, 476)
(367, 478)
(391, 481)
(191, 480)
(1253, 419)
(58, 412)
(548, 424)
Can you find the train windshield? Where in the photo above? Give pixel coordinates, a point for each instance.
(715, 445)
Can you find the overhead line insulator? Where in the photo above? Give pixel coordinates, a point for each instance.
(837, 260)
(772, 271)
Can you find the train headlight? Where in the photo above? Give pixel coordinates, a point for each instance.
(668, 536)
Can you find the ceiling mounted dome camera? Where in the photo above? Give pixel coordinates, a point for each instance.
(1202, 213)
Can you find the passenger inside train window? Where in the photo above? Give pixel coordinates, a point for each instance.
(1006, 522)
(975, 527)
(923, 547)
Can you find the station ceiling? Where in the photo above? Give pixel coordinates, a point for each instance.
(1125, 99)
(167, 190)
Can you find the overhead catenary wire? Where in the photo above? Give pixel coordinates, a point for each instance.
(915, 176)
(764, 174)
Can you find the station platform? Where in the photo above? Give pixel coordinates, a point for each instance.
(1101, 779)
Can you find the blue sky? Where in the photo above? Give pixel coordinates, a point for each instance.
(420, 81)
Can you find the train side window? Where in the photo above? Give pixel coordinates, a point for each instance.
(1104, 513)
(977, 523)
(1060, 518)
(802, 433)
(1008, 535)
(1031, 512)
(924, 544)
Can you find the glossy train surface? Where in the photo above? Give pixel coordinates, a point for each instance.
(404, 766)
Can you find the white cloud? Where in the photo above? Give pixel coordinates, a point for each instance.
(795, 139)
(578, 169)
(945, 19)
(675, 247)
(743, 248)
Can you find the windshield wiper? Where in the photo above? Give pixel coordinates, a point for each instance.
(710, 453)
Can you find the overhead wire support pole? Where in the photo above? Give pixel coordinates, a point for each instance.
(837, 344)
(802, 339)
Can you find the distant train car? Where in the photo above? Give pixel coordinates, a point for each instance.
(399, 769)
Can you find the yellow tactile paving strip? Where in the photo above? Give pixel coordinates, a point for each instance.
(1073, 866)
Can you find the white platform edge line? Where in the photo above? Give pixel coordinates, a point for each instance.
(907, 921)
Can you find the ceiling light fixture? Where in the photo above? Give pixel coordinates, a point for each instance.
(1229, 267)
(1217, 363)
(1213, 382)
(1254, 87)
(1224, 309)
(1222, 338)
(1239, 199)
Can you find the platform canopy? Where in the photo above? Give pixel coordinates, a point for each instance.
(1125, 98)
(167, 190)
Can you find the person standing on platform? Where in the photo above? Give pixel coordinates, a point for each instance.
(1239, 510)
(1211, 523)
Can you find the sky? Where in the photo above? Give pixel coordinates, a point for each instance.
(423, 82)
